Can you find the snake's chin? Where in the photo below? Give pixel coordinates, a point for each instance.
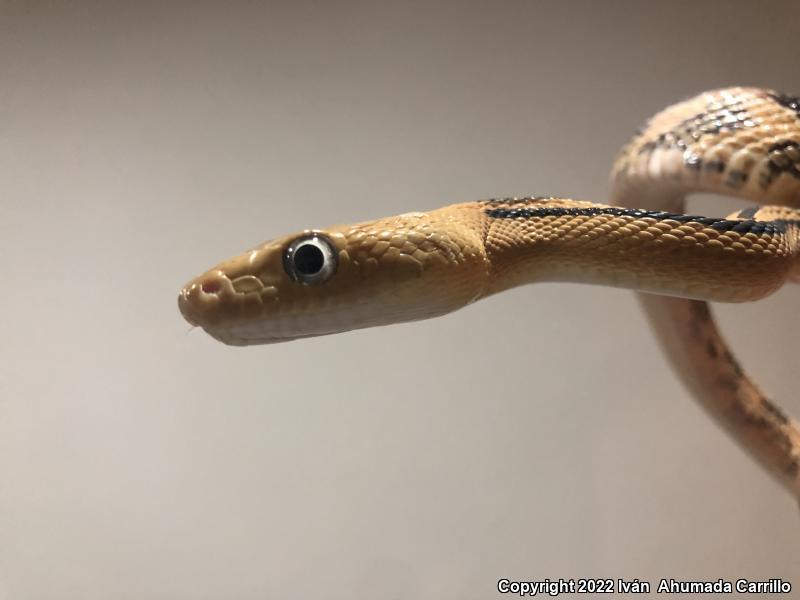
(230, 340)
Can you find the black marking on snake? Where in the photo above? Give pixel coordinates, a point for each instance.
(773, 421)
(709, 122)
(700, 319)
(731, 117)
(737, 179)
(749, 213)
(783, 157)
(776, 412)
(693, 162)
(747, 226)
(783, 146)
(734, 364)
(787, 101)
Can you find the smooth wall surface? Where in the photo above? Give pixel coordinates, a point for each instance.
(536, 434)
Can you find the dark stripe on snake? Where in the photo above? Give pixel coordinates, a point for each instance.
(696, 163)
(749, 226)
(688, 131)
(737, 179)
(749, 213)
(790, 102)
(783, 159)
(776, 412)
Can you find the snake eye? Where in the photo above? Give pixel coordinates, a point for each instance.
(310, 259)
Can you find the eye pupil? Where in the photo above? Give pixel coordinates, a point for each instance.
(308, 259)
(311, 259)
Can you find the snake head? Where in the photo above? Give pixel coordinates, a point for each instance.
(318, 282)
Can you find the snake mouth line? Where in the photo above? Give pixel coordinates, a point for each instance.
(232, 340)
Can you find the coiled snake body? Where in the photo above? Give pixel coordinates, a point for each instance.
(738, 141)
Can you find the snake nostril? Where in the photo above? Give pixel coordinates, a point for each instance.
(210, 286)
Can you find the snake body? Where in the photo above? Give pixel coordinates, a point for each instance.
(743, 142)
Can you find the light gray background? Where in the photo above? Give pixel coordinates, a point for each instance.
(536, 434)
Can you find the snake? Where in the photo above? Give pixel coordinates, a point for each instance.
(738, 141)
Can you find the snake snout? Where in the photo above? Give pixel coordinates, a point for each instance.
(201, 298)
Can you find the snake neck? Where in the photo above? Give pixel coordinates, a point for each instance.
(727, 260)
